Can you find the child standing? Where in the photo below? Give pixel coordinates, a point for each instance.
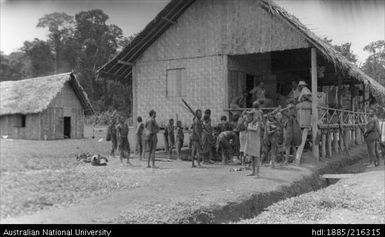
(111, 136)
(242, 129)
(124, 146)
(207, 140)
(179, 138)
(171, 137)
(151, 139)
(253, 142)
(139, 138)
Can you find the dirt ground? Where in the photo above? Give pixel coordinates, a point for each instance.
(41, 182)
(356, 200)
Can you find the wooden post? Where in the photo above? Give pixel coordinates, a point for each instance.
(346, 139)
(341, 140)
(339, 96)
(323, 145)
(358, 136)
(335, 141)
(329, 143)
(314, 89)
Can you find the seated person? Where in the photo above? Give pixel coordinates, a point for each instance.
(295, 92)
(239, 101)
(259, 92)
(305, 93)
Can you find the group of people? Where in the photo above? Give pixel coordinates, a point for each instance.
(299, 93)
(146, 138)
(250, 134)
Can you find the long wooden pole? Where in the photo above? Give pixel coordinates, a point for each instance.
(314, 89)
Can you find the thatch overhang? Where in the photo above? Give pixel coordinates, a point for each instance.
(31, 96)
(120, 67)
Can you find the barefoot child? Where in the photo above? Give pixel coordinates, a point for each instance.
(151, 139)
(179, 138)
(196, 138)
(241, 128)
(124, 146)
(253, 142)
(207, 140)
(171, 137)
(226, 141)
(139, 137)
(111, 136)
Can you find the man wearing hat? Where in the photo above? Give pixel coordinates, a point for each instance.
(372, 136)
(305, 93)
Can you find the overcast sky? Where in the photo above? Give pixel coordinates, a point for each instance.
(356, 21)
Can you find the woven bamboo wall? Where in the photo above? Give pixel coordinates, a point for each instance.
(211, 27)
(204, 85)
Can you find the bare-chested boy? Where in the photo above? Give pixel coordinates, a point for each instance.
(196, 138)
(139, 138)
(124, 146)
(151, 129)
(179, 138)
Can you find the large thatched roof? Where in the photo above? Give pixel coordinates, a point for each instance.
(121, 65)
(33, 95)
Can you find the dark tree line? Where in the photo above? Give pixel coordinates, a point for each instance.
(80, 43)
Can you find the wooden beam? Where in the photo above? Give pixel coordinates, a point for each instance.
(168, 20)
(314, 89)
(125, 63)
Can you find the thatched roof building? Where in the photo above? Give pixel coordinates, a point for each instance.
(50, 107)
(120, 67)
(209, 51)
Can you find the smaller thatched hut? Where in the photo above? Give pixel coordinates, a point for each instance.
(43, 108)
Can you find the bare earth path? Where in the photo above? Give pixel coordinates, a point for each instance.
(171, 193)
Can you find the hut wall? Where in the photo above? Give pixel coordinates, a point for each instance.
(203, 86)
(65, 104)
(213, 27)
(10, 125)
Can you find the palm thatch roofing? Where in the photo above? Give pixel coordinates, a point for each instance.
(34, 95)
(120, 67)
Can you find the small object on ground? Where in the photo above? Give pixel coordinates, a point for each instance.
(100, 140)
(236, 169)
(5, 136)
(98, 160)
(84, 157)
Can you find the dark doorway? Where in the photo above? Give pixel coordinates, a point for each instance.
(67, 127)
(249, 87)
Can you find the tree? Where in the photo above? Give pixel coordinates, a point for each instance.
(99, 42)
(15, 66)
(374, 65)
(60, 27)
(41, 57)
(345, 50)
